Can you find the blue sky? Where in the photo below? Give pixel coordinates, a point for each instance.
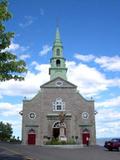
(90, 32)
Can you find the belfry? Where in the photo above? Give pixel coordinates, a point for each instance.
(58, 111)
(58, 66)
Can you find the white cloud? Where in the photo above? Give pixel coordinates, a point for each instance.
(8, 109)
(22, 48)
(115, 82)
(106, 62)
(108, 122)
(13, 47)
(113, 102)
(24, 56)
(28, 20)
(46, 48)
(109, 63)
(108, 117)
(108, 130)
(41, 67)
(29, 86)
(34, 63)
(85, 58)
(90, 82)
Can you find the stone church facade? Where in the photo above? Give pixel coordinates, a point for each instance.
(58, 110)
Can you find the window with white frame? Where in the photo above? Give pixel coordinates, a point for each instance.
(58, 105)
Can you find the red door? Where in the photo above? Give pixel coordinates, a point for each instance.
(84, 137)
(31, 139)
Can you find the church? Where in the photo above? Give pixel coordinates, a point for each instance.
(58, 111)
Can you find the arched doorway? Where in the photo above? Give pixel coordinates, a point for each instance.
(31, 137)
(85, 136)
(56, 129)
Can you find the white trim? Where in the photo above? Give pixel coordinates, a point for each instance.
(56, 114)
(58, 105)
(85, 115)
(33, 114)
(63, 124)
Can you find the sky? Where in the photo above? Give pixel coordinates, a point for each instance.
(90, 33)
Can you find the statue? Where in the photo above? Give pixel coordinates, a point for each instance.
(62, 136)
(62, 117)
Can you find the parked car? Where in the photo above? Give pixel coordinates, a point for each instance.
(113, 144)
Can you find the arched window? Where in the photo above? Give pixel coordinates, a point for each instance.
(58, 51)
(57, 124)
(58, 105)
(58, 63)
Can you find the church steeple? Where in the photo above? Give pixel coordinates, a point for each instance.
(57, 38)
(57, 46)
(58, 66)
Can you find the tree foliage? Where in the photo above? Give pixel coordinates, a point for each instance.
(5, 131)
(10, 66)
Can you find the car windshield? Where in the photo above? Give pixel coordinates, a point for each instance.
(115, 140)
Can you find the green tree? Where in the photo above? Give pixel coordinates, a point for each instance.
(5, 131)
(10, 66)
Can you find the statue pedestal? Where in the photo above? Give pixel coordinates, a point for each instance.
(62, 131)
(62, 136)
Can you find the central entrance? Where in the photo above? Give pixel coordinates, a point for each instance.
(56, 129)
(56, 132)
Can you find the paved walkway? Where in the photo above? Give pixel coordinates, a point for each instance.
(9, 154)
(47, 153)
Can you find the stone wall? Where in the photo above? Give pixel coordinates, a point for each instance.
(75, 105)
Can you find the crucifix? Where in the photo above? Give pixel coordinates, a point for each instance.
(62, 117)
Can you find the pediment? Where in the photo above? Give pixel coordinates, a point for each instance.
(58, 83)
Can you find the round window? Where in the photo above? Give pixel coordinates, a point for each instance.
(32, 115)
(85, 115)
(59, 83)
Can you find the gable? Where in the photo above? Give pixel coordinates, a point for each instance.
(58, 83)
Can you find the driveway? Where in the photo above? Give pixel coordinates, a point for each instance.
(50, 153)
(7, 154)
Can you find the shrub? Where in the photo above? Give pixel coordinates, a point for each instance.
(71, 141)
(56, 141)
